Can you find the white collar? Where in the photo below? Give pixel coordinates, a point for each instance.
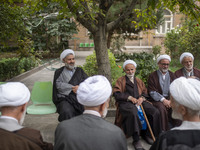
(8, 117)
(93, 112)
(188, 125)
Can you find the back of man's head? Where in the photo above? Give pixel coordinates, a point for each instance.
(13, 94)
(13, 99)
(94, 91)
(186, 92)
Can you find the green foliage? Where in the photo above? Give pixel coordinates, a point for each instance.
(171, 43)
(145, 63)
(12, 23)
(189, 7)
(185, 39)
(141, 18)
(51, 30)
(14, 66)
(91, 68)
(156, 50)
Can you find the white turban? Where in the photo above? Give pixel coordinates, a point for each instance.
(13, 94)
(65, 53)
(129, 62)
(163, 57)
(186, 54)
(94, 91)
(186, 92)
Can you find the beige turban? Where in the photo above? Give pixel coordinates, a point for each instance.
(94, 91)
(65, 53)
(13, 94)
(129, 62)
(163, 57)
(186, 54)
(186, 92)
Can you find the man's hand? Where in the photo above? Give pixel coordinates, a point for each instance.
(133, 100)
(75, 88)
(139, 101)
(167, 103)
(193, 77)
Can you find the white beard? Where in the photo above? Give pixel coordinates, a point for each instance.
(176, 115)
(22, 118)
(105, 111)
(130, 75)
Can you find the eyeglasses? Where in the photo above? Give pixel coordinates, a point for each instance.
(164, 64)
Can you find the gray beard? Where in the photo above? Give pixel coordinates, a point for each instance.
(176, 115)
(69, 66)
(22, 118)
(186, 68)
(164, 70)
(105, 111)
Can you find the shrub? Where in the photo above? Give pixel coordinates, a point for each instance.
(156, 50)
(14, 66)
(91, 68)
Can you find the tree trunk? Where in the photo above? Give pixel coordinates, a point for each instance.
(100, 41)
(109, 39)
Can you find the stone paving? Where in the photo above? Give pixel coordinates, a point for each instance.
(47, 123)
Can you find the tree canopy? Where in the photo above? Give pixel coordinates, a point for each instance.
(94, 14)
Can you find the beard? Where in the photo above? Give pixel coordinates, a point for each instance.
(70, 66)
(189, 68)
(164, 70)
(22, 118)
(105, 111)
(130, 75)
(176, 115)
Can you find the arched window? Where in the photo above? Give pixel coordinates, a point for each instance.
(167, 24)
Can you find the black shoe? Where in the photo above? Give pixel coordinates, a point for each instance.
(138, 145)
(148, 140)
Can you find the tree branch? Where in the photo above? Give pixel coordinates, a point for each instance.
(112, 25)
(83, 16)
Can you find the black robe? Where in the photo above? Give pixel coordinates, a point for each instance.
(68, 106)
(178, 140)
(130, 121)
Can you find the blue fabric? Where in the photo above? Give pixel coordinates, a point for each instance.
(141, 117)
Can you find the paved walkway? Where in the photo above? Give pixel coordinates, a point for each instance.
(47, 123)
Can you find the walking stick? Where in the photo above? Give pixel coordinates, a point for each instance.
(152, 135)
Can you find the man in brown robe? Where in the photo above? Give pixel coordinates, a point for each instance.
(188, 71)
(130, 92)
(158, 89)
(14, 97)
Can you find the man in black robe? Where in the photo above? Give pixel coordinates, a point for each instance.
(185, 104)
(65, 85)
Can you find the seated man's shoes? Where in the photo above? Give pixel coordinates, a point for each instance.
(138, 145)
(148, 140)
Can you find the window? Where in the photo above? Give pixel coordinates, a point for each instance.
(167, 24)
